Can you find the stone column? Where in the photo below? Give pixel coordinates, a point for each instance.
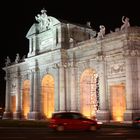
(132, 100)
(73, 90)
(57, 96)
(30, 46)
(129, 83)
(59, 36)
(31, 90)
(67, 85)
(31, 94)
(103, 112)
(17, 114)
(62, 88)
(129, 103)
(56, 88)
(34, 45)
(7, 113)
(36, 95)
(139, 82)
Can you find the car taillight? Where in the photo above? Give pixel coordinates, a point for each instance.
(137, 121)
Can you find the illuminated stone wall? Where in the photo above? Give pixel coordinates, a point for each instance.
(62, 67)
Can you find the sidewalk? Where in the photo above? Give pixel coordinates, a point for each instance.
(117, 124)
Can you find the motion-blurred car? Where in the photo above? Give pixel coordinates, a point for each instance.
(72, 121)
(1, 117)
(136, 122)
(1, 112)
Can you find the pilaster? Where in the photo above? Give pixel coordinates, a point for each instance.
(35, 110)
(132, 87)
(103, 112)
(7, 113)
(31, 93)
(57, 96)
(17, 114)
(73, 88)
(62, 87)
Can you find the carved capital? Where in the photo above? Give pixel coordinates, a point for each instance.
(131, 53)
(56, 65)
(6, 78)
(100, 56)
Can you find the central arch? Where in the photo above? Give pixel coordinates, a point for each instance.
(47, 96)
(88, 87)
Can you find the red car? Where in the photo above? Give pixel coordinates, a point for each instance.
(72, 121)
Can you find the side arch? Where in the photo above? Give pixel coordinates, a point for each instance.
(88, 93)
(47, 96)
(118, 102)
(13, 104)
(25, 99)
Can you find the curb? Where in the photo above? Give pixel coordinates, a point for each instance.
(117, 125)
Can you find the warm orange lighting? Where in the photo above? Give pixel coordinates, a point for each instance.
(47, 96)
(88, 98)
(26, 98)
(13, 104)
(119, 119)
(118, 102)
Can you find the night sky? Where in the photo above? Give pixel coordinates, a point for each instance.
(17, 16)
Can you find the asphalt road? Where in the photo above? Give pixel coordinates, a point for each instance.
(18, 133)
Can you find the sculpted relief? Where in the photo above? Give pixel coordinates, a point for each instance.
(117, 68)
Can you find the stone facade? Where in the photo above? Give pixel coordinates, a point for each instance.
(74, 59)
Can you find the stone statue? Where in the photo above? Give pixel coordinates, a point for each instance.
(17, 58)
(43, 20)
(71, 41)
(23, 58)
(88, 24)
(8, 61)
(126, 24)
(101, 33)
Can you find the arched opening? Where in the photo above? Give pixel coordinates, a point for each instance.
(26, 99)
(13, 103)
(118, 102)
(47, 96)
(88, 93)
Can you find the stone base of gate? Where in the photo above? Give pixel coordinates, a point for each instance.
(103, 115)
(129, 115)
(17, 115)
(7, 115)
(34, 116)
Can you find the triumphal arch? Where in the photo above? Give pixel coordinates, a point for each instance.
(72, 67)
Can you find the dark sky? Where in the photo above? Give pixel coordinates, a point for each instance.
(17, 16)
